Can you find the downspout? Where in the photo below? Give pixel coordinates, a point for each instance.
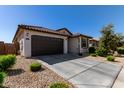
(79, 44)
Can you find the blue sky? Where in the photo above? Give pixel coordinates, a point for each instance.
(87, 20)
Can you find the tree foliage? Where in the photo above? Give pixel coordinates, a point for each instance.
(109, 39)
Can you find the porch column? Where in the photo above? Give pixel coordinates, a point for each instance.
(27, 44)
(80, 44)
(65, 45)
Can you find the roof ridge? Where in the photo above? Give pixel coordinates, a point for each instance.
(65, 29)
(32, 26)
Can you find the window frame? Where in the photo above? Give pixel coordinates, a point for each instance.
(83, 38)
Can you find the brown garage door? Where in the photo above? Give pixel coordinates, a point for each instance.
(42, 45)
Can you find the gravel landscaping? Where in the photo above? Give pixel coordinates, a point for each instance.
(118, 60)
(20, 76)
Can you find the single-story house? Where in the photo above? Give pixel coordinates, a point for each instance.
(35, 41)
(93, 42)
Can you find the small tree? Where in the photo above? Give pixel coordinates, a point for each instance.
(109, 39)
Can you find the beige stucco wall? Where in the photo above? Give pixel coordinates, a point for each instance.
(27, 43)
(20, 40)
(74, 45)
(71, 45)
(93, 43)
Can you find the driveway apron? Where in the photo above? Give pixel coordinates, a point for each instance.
(82, 72)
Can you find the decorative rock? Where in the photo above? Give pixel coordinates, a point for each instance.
(20, 76)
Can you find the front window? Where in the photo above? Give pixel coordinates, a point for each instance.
(83, 42)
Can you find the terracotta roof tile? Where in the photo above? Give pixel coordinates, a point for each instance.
(46, 30)
(42, 29)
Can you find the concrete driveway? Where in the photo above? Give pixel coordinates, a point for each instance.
(82, 72)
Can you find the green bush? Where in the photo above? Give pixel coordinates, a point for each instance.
(6, 62)
(2, 76)
(92, 49)
(11, 59)
(35, 67)
(120, 50)
(93, 54)
(59, 85)
(101, 52)
(110, 58)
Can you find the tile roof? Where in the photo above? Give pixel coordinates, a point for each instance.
(78, 34)
(64, 29)
(93, 39)
(41, 29)
(46, 30)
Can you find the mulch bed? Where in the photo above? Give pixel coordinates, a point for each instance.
(20, 76)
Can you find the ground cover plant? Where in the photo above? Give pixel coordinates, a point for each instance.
(110, 58)
(92, 50)
(35, 67)
(120, 50)
(59, 85)
(6, 61)
(2, 77)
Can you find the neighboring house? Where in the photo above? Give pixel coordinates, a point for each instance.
(93, 42)
(35, 41)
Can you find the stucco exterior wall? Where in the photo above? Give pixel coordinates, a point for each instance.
(20, 40)
(71, 45)
(93, 43)
(27, 41)
(74, 45)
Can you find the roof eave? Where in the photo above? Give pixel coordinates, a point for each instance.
(64, 29)
(19, 26)
(81, 35)
(15, 34)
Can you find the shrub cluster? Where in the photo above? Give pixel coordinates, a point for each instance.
(35, 67)
(101, 52)
(92, 49)
(59, 85)
(2, 76)
(110, 58)
(6, 61)
(93, 54)
(120, 50)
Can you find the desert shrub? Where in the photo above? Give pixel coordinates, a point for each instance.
(35, 67)
(101, 52)
(6, 62)
(2, 77)
(11, 59)
(120, 50)
(110, 58)
(93, 54)
(92, 49)
(59, 85)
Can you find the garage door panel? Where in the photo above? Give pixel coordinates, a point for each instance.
(42, 45)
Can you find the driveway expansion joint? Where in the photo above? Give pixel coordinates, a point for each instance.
(83, 71)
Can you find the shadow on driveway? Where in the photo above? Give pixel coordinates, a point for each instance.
(54, 59)
(82, 72)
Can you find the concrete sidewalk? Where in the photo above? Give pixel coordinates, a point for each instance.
(119, 83)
